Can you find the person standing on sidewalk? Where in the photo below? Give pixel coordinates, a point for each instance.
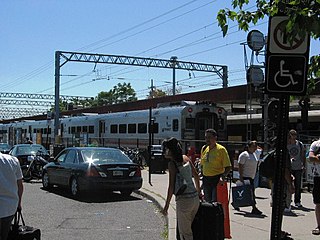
(11, 190)
(248, 163)
(297, 154)
(314, 156)
(215, 164)
(187, 203)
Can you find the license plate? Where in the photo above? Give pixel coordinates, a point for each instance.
(117, 173)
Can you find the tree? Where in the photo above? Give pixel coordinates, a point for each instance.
(155, 93)
(304, 18)
(118, 94)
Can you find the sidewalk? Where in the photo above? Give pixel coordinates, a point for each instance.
(244, 226)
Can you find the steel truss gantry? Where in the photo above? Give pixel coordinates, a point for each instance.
(61, 58)
(10, 113)
(40, 96)
(32, 100)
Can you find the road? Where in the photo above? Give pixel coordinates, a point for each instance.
(99, 216)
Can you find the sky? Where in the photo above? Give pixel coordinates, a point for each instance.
(32, 30)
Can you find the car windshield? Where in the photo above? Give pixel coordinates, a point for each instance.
(31, 150)
(104, 156)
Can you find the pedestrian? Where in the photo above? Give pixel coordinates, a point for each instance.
(28, 141)
(188, 202)
(297, 154)
(248, 164)
(258, 153)
(315, 157)
(215, 164)
(11, 190)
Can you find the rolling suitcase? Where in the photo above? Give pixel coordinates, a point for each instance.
(208, 224)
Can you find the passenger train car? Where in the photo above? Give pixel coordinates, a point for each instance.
(186, 121)
(238, 126)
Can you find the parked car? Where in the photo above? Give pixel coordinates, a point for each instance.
(25, 152)
(92, 168)
(4, 147)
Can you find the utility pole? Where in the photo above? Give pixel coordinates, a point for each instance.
(173, 60)
(152, 89)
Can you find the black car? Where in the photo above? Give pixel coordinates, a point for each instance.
(24, 151)
(4, 147)
(92, 168)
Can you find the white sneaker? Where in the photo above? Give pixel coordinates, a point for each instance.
(298, 204)
(287, 210)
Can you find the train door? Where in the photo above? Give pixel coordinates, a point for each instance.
(101, 131)
(204, 120)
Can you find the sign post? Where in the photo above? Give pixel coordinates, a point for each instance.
(286, 74)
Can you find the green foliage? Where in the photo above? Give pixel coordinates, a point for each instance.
(118, 94)
(156, 93)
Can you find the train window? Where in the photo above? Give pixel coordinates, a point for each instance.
(49, 132)
(190, 123)
(132, 128)
(78, 128)
(91, 129)
(114, 128)
(142, 128)
(85, 129)
(34, 130)
(122, 128)
(69, 130)
(175, 125)
(73, 130)
(44, 131)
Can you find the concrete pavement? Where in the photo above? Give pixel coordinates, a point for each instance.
(244, 226)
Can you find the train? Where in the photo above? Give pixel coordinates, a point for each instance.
(238, 126)
(186, 121)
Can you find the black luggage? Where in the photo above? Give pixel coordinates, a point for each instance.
(22, 232)
(208, 223)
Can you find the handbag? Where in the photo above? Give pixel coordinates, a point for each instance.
(22, 232)
(180, 183)
(242, 196)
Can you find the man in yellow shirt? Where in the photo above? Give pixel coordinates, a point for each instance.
(215, 164)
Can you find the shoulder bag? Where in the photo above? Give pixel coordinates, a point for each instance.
(180, 183)
(21, 231)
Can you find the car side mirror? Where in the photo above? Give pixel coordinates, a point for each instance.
(51, 159)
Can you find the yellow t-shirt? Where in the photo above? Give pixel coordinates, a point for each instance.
(214, 161)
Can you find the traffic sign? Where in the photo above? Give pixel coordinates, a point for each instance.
(287, 61)
(279, 42)
(287, 74)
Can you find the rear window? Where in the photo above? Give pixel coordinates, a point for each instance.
(32, 150)
(104, 156)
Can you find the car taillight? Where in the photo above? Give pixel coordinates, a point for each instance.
(92, 172)
(138, 172)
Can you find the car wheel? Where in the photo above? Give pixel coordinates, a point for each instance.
(26, 175)
(74, 187)
(126, 193)
(45, 181)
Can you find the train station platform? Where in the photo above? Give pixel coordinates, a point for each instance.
(243, 224)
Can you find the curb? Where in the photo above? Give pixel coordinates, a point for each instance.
(156, 198)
